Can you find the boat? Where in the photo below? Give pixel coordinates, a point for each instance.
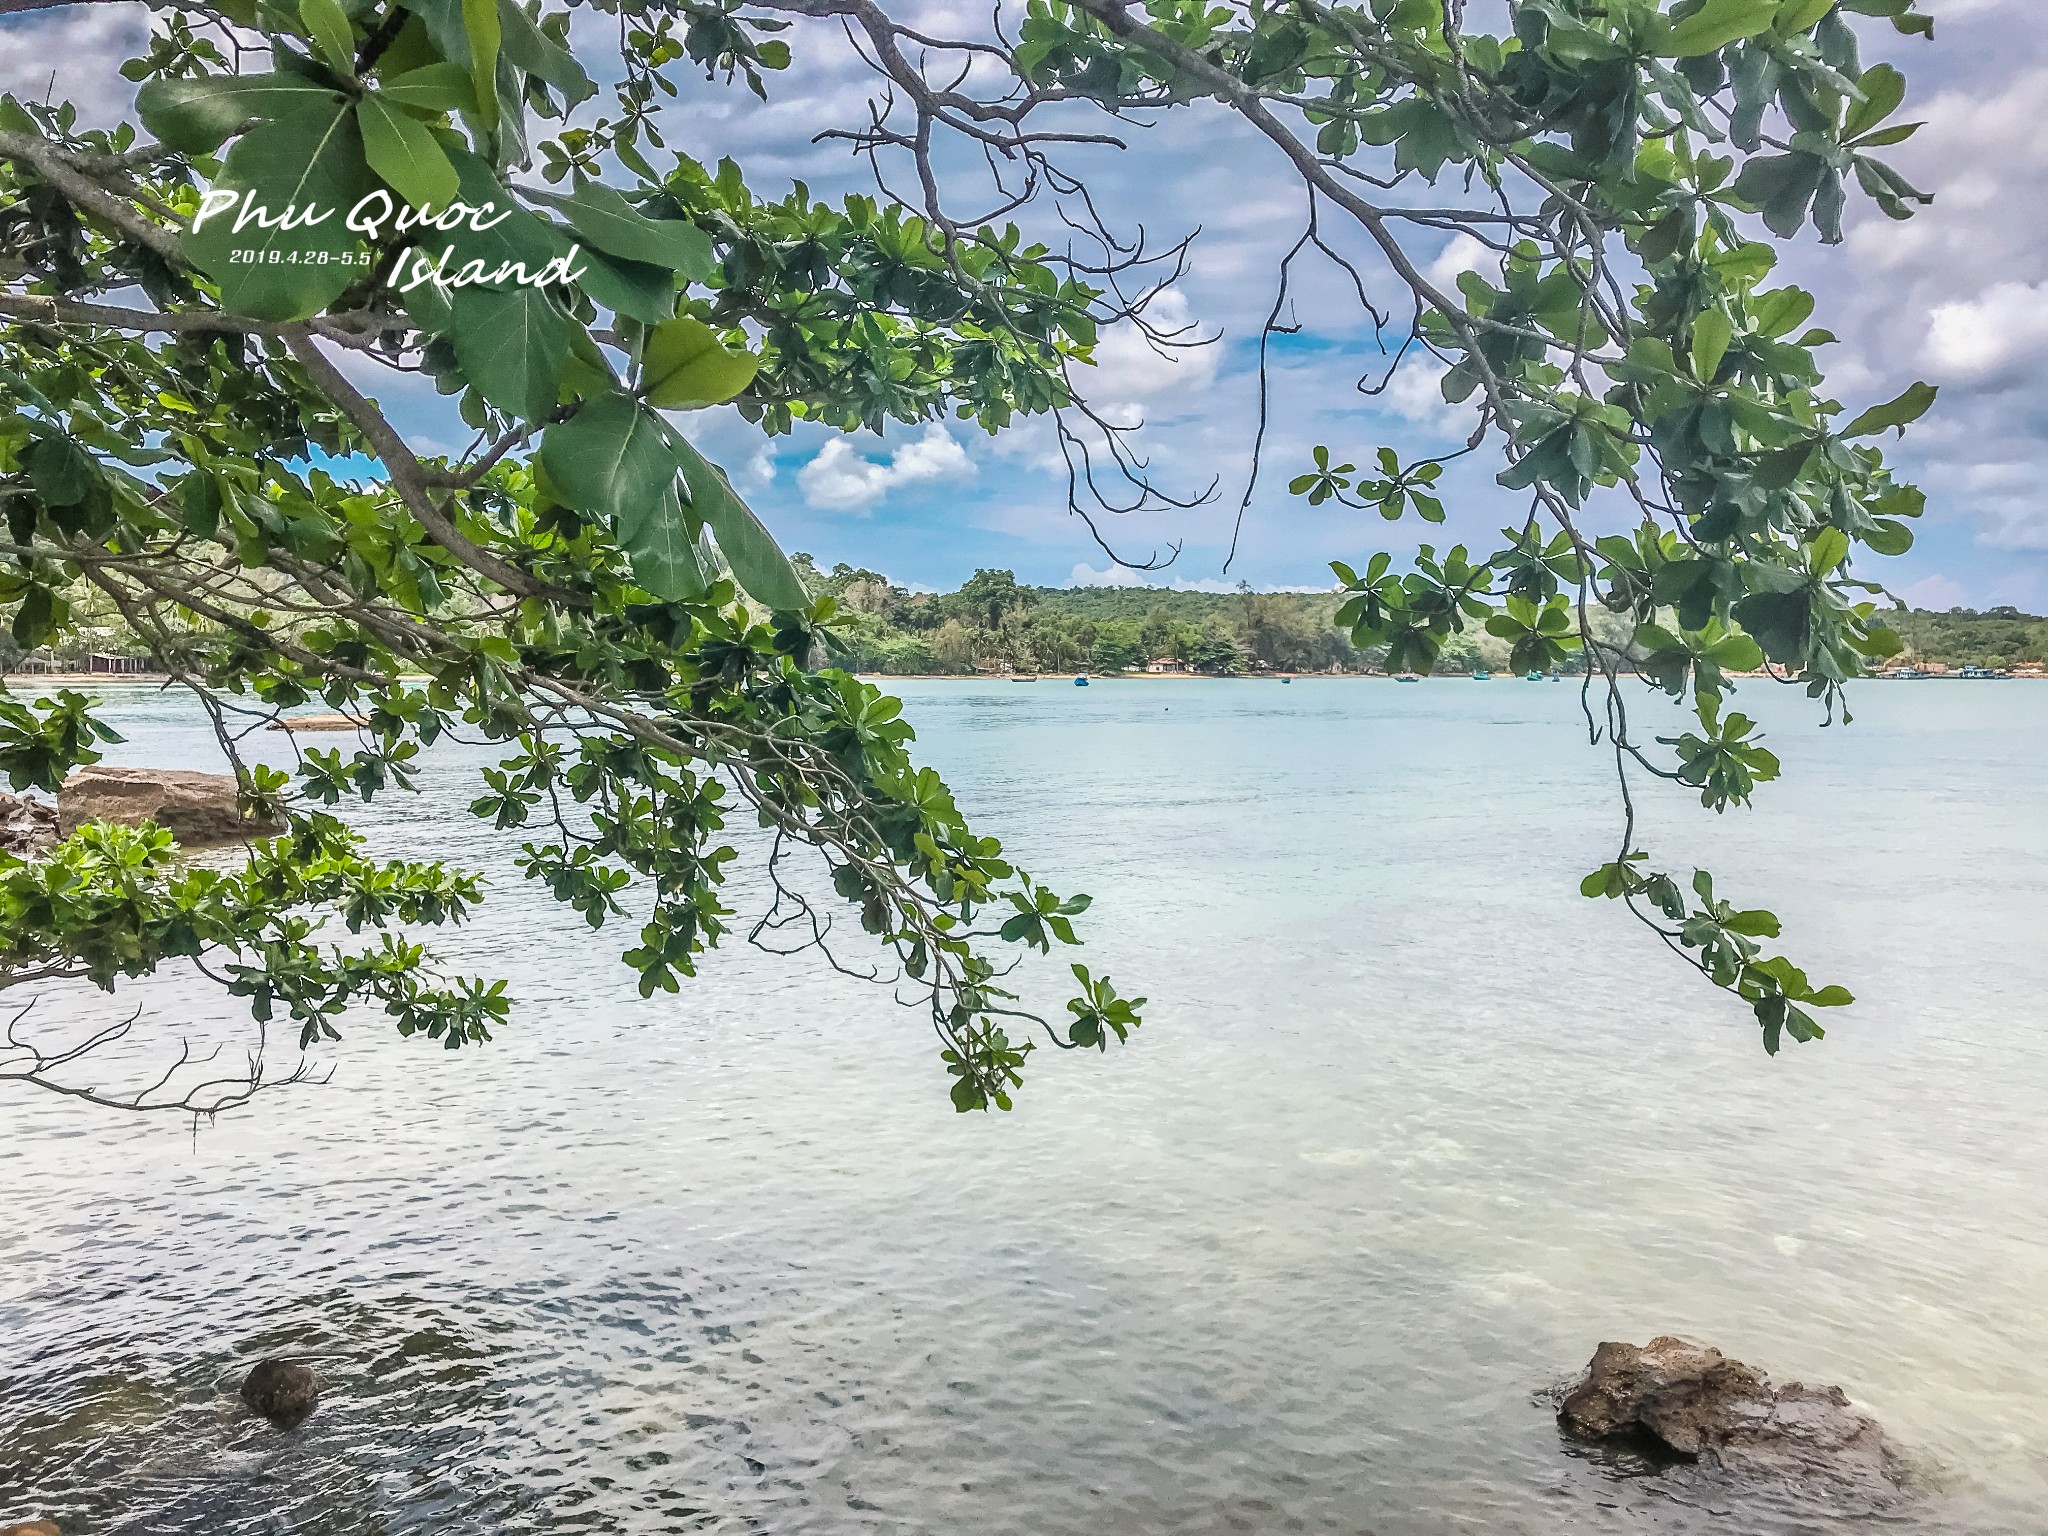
(1532, 677)
(1408, 677)
(1286, 679)
(1482, 675)
(1023, 677)
(1081, 681)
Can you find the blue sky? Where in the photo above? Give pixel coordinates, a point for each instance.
(1958, 296)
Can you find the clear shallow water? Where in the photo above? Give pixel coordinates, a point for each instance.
(1410, 1128)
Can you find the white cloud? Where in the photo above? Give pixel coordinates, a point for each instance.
(840, 478)
(1131, 372)
(76, 57)
(1463, 253)
(1114, 576)
(1981, 337)
(1935, 592)
(1958, 295)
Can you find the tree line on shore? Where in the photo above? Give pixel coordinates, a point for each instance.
(991, 623)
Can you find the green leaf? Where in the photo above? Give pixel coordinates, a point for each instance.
(1717, 24)
(401, 151)
(614, 456)
(685, 367)
(530, 49)
(1781, 310)
(1711, 333)
(327, 24)
(657, 537)
(199, 503)
(60, 470)
(1780, 187)
(1830, 547)
(1883, 88)
(485, 32)
(1799, 15)
(611, 224)
(197, 116)
(1737, 653)
(631, 288)
(1908, 407)
(512, 344)
(432, 88)
(757, 561)
(309, 159)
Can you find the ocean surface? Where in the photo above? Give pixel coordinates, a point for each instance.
(1409, 1129)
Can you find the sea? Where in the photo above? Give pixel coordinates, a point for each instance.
(1409, 1129)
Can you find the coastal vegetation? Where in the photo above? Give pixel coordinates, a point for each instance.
(205, 299)
(991, 623)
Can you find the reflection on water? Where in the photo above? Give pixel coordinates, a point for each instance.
(1409, 1130)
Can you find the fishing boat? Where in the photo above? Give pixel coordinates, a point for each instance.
(1286, 679)
(1532, 677)
(1408, 677)
(1023, 677)
(1081, 681)
(1481, 675)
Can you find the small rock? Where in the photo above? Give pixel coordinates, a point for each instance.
(31, 1528)
(1697, 1402)
(27, 828)
(192, 807)
(282, 1392)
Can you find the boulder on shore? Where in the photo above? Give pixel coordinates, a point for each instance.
(192, 807)
(1698, 1403)
(27, 828)
(331, 722)
(283, 1392)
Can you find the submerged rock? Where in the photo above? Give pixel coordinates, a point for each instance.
(192, 807)
(283, 1392)
(1697, 1403)
(31, 1528)
(27, 828)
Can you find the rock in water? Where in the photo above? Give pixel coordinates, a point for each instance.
(282, 1392)
(317, 723)
(27, 828)
(192, 807)
(31, 1528)
(1697, 1402)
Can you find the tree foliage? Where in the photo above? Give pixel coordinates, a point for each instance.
(177, 408)
(580, 585)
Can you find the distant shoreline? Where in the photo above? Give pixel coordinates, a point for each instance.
(160, 679)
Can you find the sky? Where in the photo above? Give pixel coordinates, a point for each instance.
(1957, 296)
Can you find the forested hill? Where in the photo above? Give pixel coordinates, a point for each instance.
(1961, 637)
(992, 622)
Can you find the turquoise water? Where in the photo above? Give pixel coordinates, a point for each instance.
(1409, 1129)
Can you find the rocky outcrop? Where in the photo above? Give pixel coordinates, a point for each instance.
(27, 828)
(192, 807)
(1698, 1403)
(316, 723)
(283, 1392)
(31, 1528)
